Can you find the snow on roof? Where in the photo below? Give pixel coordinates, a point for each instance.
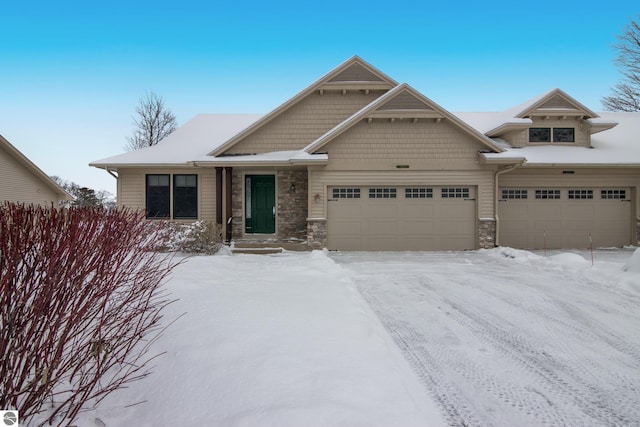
(617, 146)
(275, 157)
(191, 141)
(194, 140)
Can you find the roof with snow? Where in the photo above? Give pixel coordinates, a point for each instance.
(190, 142)
(615, 137)
(618, 146)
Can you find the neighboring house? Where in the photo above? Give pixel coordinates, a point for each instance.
(21, 181)
(357, 161)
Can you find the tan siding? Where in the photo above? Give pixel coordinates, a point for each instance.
(320, 180)
(405, 101)
(382, 144)
(304, 122)
(356, 73)
(18, 184)
(131, 188)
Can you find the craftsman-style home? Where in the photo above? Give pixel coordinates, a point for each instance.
(358, 161)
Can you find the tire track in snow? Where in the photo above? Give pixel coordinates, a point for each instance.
(551, 388)
(549, 374)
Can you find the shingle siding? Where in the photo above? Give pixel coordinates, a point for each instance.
(304, 122)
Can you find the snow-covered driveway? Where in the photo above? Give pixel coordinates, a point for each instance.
(507, 338)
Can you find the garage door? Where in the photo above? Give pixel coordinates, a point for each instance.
(401, 218)
(536, 218)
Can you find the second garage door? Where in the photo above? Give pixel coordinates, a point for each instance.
(537, 218)
(401, 218)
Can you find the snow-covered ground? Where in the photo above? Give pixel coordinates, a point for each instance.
(498, 337)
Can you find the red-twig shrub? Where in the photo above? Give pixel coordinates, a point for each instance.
(80, 304)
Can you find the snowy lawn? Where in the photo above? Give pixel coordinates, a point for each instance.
(497, 337)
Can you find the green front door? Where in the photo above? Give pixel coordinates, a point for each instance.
(260, 204)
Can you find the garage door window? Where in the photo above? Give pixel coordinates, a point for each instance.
(346, 193)
(514, 194)
(613, 194)
(547, 194)
(455, 193)
(580, 194)
(382, 193)
(418, 193)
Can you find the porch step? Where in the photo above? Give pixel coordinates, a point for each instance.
(267, 247)
(256, 251)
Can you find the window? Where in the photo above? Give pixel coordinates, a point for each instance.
(563, 135)
(418, 193)
(547, 194)
(580, 194)
(157, 193)
(613, 194)
(539, 134)
(559, 135)
(455, 193)
(382, 193)
(514, 194)
(346, 193)
(185, 196)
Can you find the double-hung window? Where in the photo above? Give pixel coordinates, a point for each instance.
(158, 196)
(185, 196)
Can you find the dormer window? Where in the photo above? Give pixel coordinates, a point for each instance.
(561, 135)
(539, 134)
(564, 135)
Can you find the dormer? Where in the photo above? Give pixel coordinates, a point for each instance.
(554, 118)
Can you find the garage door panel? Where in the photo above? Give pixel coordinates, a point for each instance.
(532, 223)
(403, 223)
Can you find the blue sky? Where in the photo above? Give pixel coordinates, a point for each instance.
(71, 72)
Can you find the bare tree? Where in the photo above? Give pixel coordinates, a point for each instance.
(153, 122)
(626, 95)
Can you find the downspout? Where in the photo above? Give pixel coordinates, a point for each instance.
(497, 194)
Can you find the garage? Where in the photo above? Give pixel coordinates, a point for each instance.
(553, 218)
(394, 218)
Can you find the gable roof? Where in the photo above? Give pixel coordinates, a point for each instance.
(341, 77)
(401, 102)
(551, 103)
(32, 168)
(619, 146)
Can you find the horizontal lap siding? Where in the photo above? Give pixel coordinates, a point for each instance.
(18, 184)
(131, 189)
(304, 122)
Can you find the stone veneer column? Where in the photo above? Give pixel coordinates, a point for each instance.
(236, 204)
(638, 232)
(292, 204)
(486, 233)
(316, 233)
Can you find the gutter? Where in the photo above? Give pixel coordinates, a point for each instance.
(496, 198)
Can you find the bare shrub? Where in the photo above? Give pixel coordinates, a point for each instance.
(80, 304)
(199, 237)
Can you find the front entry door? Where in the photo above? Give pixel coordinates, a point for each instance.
(260, 204)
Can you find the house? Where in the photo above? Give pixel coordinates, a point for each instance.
(21, 181)
(358, 161)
